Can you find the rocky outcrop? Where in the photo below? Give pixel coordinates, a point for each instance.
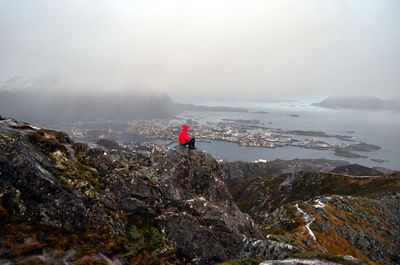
(171, 206)
(109, 144)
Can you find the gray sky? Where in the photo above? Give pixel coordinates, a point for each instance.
(207, 49)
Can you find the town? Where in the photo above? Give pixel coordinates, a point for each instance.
(245, 134)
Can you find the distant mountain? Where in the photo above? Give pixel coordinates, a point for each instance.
(62, 108)
(192, 107)
(39, 99)
(360, 103)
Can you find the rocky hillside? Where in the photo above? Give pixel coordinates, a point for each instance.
(69, 203)
(326, 214)
(364, 228)
(240, 169)
(260, 196)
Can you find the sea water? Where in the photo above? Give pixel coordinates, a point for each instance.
(375, 127)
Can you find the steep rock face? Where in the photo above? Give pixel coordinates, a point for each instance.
(198, 199)
(173, 205)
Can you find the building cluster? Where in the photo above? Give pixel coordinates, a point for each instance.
(228, 131)
(224, 131)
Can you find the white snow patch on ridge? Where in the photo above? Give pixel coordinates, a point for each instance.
(308, 219)
(319, 204)
(298, 261)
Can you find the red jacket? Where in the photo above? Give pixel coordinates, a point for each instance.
(183, 135)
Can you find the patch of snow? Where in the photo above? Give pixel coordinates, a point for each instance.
(196, 199)
(34, 127)
(308, 219)
(319, 204)
(260, 161)
(299, 261)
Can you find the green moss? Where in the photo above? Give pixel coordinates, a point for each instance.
(283, 239)
(338, 215)
(303, 205)
(134, 235)
(315, 227)
(47, 145)
(352, 219)
(143, 236)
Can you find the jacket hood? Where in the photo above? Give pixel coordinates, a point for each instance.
(185, 127)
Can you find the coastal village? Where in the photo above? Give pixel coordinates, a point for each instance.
(243, 132)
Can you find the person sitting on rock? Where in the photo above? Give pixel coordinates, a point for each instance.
(184, 139)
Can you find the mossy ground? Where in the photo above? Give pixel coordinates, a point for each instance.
(46, 144)
(141, 244)
(249, 193)
(354, 215)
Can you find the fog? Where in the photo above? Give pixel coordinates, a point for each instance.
(203, 49)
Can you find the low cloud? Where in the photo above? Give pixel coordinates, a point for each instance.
(207, 49)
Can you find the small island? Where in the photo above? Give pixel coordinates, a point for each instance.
(346, 153)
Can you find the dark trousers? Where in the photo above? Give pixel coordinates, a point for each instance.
(190, 143)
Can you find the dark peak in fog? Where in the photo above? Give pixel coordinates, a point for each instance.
(64, 108)
(362, 103)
